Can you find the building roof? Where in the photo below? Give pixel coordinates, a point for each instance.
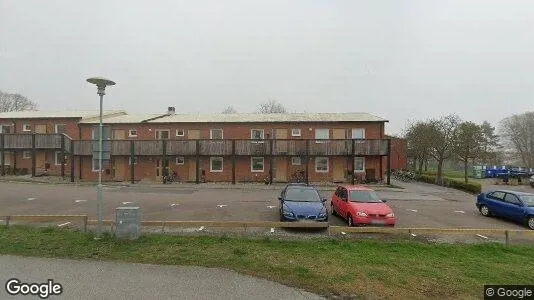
(122, 119)
(274, 117)
(64, 114)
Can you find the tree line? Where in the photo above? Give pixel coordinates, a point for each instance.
(450, 138)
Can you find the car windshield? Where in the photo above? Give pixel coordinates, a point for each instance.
(364, 196)
(302, 195)
(528, 200)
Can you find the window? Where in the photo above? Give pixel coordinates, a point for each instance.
(358, 133)
(60, 128)
(130, 160)
(216, 134)
(180, 132)
(321, 164)
(295, 132)
(256, 164)
(216, 164)
(296, 161)
(180, 160)
(256, 134)
(497, 195)
(132, 133)
(322, 134)
(359, 164)
(57, 158)
(5, 128)
(162, 134)
(26, 127)
(26, 154)
(95, 165)
(511, 199)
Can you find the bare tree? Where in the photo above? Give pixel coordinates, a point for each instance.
(418, 137)
(15, 102)
(270, 107)
(518, 133)
(229, 110)
(468, 144)
(442, 136)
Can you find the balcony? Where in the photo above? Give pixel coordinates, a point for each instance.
(276, 147)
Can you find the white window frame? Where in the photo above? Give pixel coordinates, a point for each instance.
(298, 132)
(213, 158)
(327, 165)
(130, 133)
(362, 158)
(262, 134)
(24, 156)
(27, 129)
(180, 163)
(296, 161)
(354, 132)
(162, 130)
(94, 164)
(60, 124)
(180, 130)
(262, 164)
(318, 139)
(56, 162)
(130, 160)
(216, 129)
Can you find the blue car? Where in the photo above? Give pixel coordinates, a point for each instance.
(516, 206)
(301, 202)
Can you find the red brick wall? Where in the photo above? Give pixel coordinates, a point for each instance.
(71, 125)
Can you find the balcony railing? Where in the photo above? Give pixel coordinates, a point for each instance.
(270, 147)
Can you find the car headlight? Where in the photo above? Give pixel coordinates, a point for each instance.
(361, 214)
(390, 215)
(288, 213)
(322, 214)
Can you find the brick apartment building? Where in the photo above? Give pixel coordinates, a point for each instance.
(324, 147)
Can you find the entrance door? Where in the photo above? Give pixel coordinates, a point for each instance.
(281, 169)
(159, 169)
(40, 128)
(338, 172)
(192, 161)
(119, 167)
(40, 158)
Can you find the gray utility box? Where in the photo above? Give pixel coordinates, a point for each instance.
(128, 222)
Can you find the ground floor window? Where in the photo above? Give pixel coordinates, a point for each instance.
(26, 154)
(321, 164)
(359, 164)
(216, 164)
(256, 164)
(57, 158)
(180, 160)
(130, 160)
(296, 161)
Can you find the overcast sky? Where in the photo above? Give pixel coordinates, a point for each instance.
(400, 60)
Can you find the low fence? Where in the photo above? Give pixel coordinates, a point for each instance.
(85, 222)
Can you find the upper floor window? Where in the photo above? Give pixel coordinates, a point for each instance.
(60, 128)
(216, 134)
(257, 134)
(26, 127)
(295, 132)
(132, 133)
(322, 134)
(162, 134)
(358, 133)
(5, 128)
(180, 132)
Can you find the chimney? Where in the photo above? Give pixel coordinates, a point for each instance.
(171, 110)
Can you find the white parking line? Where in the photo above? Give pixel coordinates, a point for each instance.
(201, 228)
(484, 237)
(175, 204)
(78, 201)
(343, 232)
(30, 199)
(221, 205)
(271, 206)
(413, 234)
(272, 230)
(127, 203)
(61, 225)
(414, 210)
(459, 211)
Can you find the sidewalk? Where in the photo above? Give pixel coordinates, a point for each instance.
(323, 186)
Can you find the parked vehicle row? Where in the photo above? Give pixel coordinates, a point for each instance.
(512, 205)
(357, 205)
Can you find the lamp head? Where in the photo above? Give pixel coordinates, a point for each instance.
(101, 83)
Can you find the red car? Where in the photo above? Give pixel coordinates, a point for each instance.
(360, 205)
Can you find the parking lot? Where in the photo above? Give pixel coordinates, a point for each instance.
(417, 205)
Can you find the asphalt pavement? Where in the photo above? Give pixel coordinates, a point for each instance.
(115, 280)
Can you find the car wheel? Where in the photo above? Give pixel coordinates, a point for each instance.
(484, 210)
(530, 222)
(334, 213)
(349, 221)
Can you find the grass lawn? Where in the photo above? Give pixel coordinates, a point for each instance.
(371, 268)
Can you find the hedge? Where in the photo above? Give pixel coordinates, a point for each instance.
(471, 187)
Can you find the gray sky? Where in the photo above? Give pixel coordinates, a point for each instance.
(397, 59)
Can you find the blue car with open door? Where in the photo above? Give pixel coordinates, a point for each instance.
(301, 202)
(512, 205)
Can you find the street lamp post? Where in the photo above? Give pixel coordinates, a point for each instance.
(101, 84)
